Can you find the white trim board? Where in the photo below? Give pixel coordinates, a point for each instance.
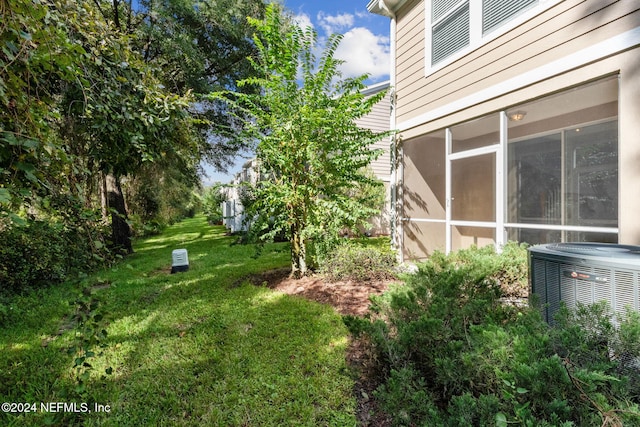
(578, 59)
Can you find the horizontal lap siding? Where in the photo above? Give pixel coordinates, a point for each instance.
(567, 27)
(411, 32)
(378, 120)
(410, 42)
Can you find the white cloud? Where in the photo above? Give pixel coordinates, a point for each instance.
(335, 23)
(364, 52)
(303, 21)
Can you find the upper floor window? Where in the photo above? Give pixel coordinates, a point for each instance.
(456, 24)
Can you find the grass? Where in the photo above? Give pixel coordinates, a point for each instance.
(195, 348)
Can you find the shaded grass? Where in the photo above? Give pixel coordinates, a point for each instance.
(186, 349)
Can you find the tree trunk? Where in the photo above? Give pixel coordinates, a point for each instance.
(298, 253)
(120, 231)
(104, 208)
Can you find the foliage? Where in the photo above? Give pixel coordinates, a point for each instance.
(39, 254)
(159, 195)
(212, 200)
(311, 151)
(350, 261)
(96, 94)
(79, 101)
(203, 347)
(452, 353)
(36, 56)
(372, 194)
(90, 336)
(200, 46)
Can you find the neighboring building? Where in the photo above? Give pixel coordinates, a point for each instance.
(377, 120)
(517, 119)
(232, 210)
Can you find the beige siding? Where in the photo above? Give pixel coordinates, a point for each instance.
(410, 41)
(565, 46)
(378, 120)
(559, 31)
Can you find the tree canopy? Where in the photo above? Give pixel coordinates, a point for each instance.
(312, 154)
(98, 95)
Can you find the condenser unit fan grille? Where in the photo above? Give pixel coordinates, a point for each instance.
(585, 273)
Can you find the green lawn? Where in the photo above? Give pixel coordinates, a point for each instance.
(194, 348)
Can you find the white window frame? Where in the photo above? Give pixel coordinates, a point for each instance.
(500, 225)
(563, 227)
(476, 39)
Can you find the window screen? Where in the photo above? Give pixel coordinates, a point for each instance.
(495, 12)
(451, 34)
(439, 8)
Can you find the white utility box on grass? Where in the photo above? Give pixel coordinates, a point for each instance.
(180, 261)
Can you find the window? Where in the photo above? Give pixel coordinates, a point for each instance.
(562, 175)
(544, 171)
(568, 178)
(450, 30)
(496, 12)
(457, 24)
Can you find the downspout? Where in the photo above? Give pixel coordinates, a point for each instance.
(394, 149)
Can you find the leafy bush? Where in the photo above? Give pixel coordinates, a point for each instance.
(42, 253)
(33, 255)
(350, 261)
(211, 204)
(142, 228)
(5, 309)
(453, 353)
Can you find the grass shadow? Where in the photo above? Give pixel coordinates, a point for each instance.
(188, 348)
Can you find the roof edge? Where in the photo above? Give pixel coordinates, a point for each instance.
(375, 88)
(384, 7)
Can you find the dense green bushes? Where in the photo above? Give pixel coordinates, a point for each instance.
(452, 352)
(41, 253)
(212, 199)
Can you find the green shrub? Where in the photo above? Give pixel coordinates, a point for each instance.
(42, 253)
(455, 354)
(406, 396)
(5, 309)
(350, 261)
(212, 200)
(146, 228)
(33, 255)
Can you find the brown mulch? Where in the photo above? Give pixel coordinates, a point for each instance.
(348, 298)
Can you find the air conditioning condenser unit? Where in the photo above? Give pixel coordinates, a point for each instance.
(584, 273)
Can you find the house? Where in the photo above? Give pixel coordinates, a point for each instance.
(517, 119)
(234, 218)
(377, 120)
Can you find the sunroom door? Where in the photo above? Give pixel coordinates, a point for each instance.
(473, 184)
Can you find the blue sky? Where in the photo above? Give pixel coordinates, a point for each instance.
(364, 48)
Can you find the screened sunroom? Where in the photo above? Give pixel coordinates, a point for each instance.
(536, 172)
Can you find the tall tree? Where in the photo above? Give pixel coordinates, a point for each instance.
(36, 57)
(199, 46)
(102, 87)
(116, 114)
(311, 152)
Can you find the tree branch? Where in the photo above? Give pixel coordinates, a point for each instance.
(116, 13)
